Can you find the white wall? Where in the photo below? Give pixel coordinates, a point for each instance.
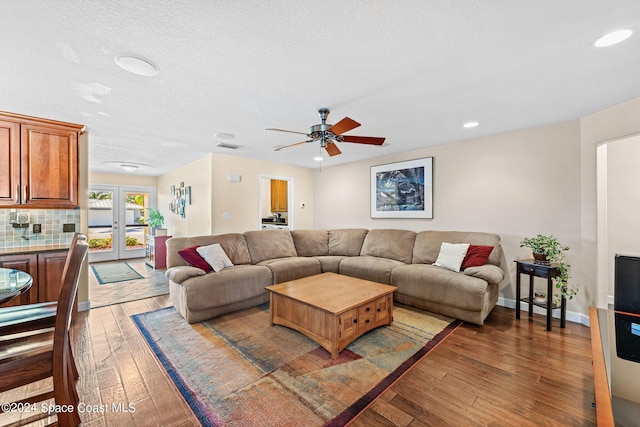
(516, 184)
(623, 203)
(197, 220)
(610, 124)
(213, 195)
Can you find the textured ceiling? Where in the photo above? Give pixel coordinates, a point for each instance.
(412, 71)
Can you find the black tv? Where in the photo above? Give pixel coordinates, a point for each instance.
(626, 295)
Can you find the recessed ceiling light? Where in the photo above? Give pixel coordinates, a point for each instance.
(137, 65)
(613, 38)
(471, 124)
(317, 159)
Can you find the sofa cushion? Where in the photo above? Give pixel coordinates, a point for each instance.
(451, 255)
(311, 242)
(269, 244)
(491, 273)
(191, 256)
(215, 256)
(330, 263)
(292, 268)
(346, 241)
(234, 245)
(369, 268)
(439, 285)
(427, 244)
(387, 243)
(228, 286)
(183, 272)
(477, 255)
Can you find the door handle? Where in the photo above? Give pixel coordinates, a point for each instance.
(26, 194)
(17, 197)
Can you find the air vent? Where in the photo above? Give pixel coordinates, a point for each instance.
(225, 145)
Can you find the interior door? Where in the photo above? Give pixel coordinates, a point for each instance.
(117, 221)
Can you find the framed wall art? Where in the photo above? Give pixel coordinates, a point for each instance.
(403, 189)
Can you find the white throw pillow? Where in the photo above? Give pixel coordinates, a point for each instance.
(451, 255)
(215, 256)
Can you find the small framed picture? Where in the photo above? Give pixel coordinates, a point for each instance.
(187, 195)
(173, 190)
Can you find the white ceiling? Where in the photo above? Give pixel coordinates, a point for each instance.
(412, 71)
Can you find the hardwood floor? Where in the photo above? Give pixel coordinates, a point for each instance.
(153, 284)
(505, 373)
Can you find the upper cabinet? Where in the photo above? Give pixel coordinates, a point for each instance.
(38, 162)
(279, 195)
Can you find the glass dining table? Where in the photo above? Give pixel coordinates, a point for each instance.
(13, 283)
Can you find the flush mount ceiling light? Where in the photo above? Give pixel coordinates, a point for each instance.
(471, 124)
(613, 38)
(137, 65)
(224, 135)
(128, 166)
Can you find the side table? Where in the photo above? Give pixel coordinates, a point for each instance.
(545, 271)
(156, 251)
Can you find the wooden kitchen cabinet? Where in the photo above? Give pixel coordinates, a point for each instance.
(38, 162)
(46, 270)
(279, 202)
(29, 264)
(50, 268)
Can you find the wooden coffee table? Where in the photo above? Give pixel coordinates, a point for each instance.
(331, 309)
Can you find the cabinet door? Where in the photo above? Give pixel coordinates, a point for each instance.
(50, 268)
(49, 166)
(278, 195)
(9, 163)
(348, 324)
(28, 264)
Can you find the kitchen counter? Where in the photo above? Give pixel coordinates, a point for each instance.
(35, 249)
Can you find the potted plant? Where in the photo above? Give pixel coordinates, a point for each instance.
(156, 221)
(549, 249)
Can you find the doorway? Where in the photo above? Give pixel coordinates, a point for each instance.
(117, 221)
(276, 202)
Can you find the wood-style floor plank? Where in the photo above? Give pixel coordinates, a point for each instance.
(504, 373)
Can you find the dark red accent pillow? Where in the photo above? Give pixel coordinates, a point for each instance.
(193, 257)
(476, 256)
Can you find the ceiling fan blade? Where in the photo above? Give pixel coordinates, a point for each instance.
(292, 145)
(343, 126)
(284, 130)
(332, 149)
(373, 140)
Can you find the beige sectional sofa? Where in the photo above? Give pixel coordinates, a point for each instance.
(398, 257)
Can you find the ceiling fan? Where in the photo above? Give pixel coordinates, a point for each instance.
(328, 135)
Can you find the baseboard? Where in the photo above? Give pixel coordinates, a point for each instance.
(84, 306)
(572, 316)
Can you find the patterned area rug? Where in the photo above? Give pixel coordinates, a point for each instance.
(238, 370)
(115, 272)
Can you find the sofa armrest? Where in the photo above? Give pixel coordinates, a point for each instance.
(183, 272)
(491, 273)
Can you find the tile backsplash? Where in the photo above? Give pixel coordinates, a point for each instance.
(51, 220)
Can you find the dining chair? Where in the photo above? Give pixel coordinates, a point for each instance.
(31, 356)
(28, 317)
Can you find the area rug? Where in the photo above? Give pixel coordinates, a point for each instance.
(115, 272)
(238, 370)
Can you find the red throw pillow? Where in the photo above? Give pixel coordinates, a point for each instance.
(193, 257)
(476, 256)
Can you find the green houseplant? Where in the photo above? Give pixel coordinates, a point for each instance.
(548, 248)
(156, 221)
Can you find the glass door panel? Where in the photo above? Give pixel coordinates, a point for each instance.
(117, 222)
(102, 226)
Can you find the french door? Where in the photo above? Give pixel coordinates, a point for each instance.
(118, 221)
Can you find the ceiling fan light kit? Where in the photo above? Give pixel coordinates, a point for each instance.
(329, 134)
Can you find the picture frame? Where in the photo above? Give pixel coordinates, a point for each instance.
(403, 189)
